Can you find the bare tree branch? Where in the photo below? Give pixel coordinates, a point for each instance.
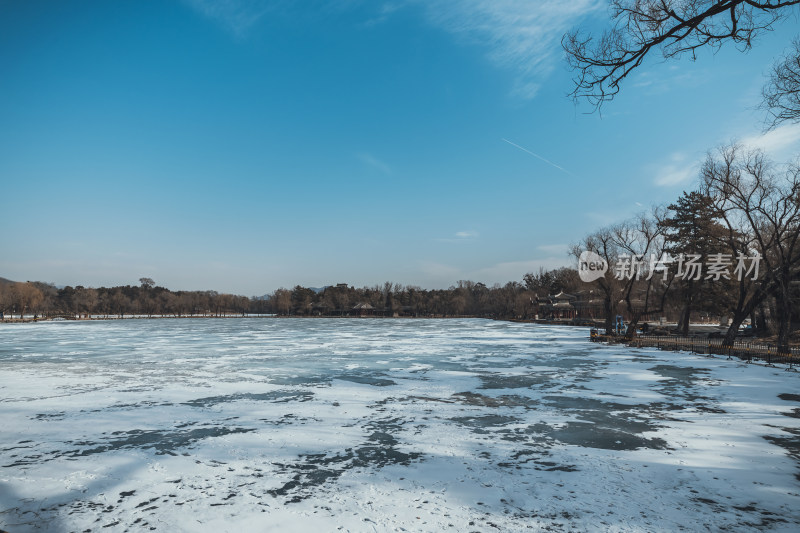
(761, 208)
(676, 27)
(782, 91)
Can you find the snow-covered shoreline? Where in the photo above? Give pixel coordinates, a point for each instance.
(387, 425)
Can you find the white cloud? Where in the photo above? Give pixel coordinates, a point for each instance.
(779, 143)
(678, 170)
(384, 12)
(527, 90)
(520, 35)
(670, 175)
(374, 162)
(660, 81)
(460, 236)
(237, 16)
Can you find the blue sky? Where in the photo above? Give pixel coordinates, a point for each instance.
(245, 146)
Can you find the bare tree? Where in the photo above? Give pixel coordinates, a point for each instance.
(761, 209)
(85, 300)
(782, 91)
(118, 302)
(602, 243)
(6, 300)
(185, 304)
(26, 296)
(673, 27)
(282, 299)
(168, 303)
(644, 277)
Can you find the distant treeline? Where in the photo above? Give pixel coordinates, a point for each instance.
(466, 298)
(45, 300)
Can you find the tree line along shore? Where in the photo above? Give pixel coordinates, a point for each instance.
(466, 298)
(557, 295)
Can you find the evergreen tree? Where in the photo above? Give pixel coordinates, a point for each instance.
(694, 229)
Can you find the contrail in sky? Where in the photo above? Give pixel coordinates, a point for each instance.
(539, 157)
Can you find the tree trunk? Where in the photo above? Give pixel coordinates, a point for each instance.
(783, 306)
(686, 312)
(738, 317)
(609, 316)
(683, 321)
(744, 307)
(630, 331)
(761, 322)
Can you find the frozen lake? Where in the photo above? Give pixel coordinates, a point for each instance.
(320, 425)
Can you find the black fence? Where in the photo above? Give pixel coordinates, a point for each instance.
(745, 350)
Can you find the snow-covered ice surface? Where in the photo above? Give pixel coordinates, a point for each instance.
(385, 425)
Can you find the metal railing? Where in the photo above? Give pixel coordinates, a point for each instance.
(745, 350)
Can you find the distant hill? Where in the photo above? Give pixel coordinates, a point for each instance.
(40, 284)
(319, 289)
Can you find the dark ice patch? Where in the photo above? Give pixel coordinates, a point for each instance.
(538, 459)
(616, 416)
(314, 470)
(290, 419)
(683, 374)
(126, 406)
(278, 396)
(600, 424)
(790, 443)
(50, 416)
(164, 442)
(480, 424)
(580, 403)
(507, 400)
(293, 381)
(590, 435)
(523, 381)
(584, 434)
(367, 379)
(682, 382)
